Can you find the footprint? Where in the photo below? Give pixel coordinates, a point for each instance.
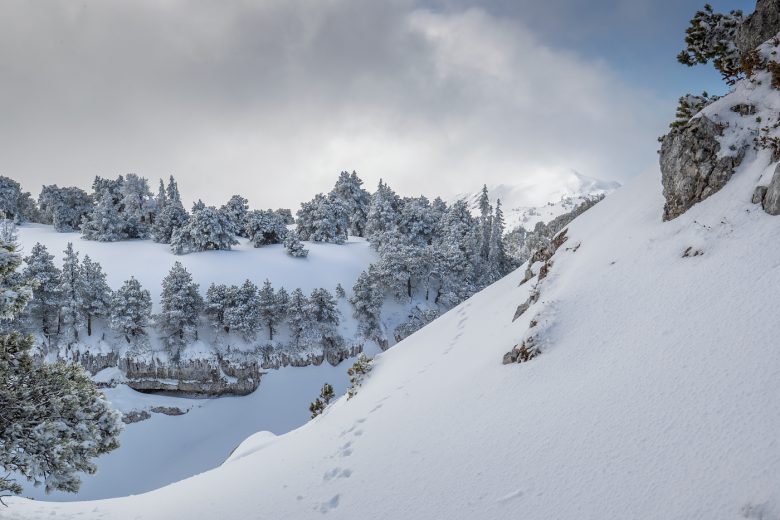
(377, 407)
(358, 433)
(333, 503)
(510, 496)
(336, 473)
(345, 450)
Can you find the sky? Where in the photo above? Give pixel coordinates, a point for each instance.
(271, 99)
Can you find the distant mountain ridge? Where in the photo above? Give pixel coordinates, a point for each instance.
(524, 205)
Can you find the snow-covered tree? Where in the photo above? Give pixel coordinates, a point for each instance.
(286, 215)
(323, 219)
(294, 246)
(53, 421)
(271, 310)
(243, 315)
(417, 221)
(207, 229)
(384, 214)
(485, 224)
(298, 317)
(324, 319)
(104, 223)
(44, 277)
(340, 292)
(497, 261)
(131, 309)
(71, 294)
(138, 207)
(710, 37)
(10, 195)
(355, 200)
(235, 211)
(456, 255)
(65, 208)
(690, 105)
(218, 298)
(95, 292)
(264, 227)
(367, 298)
(197, 206)
(403, 265)
(180, 304)
(172, 216)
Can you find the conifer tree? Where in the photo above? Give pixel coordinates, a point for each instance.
(355, 200)
(264, 227)
(180, 305)
(366, 300)
(71, 294)
(137, 206)
(243, 316)
(219, 297)
(235, 211)
(383, 214)
(131, 309)
(271, 308)
(207, 229)
(318, 406)
(95, 292)
(485, 224)
(294, 246)
(496, 254)
(104, 223)
(172, 217)
(44, 277)
(358, 373)
(324, 318)
(53, 421)
(710, 37)
(298, 317)
(340, 292)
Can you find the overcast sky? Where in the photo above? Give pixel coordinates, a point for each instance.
(272, 98)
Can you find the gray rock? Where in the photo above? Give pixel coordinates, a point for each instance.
(757, 28)
(744, 109)
(690, 168)
(758, 195)
(135, 416)
(523, 307)
(168, 410)
(771, 201)
(510, 357)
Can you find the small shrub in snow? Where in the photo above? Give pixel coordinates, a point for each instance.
(294, 246)
(319, 404)
(357, 374)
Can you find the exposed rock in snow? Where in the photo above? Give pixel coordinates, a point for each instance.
(692, 168)
(771, 200)
(763, 24)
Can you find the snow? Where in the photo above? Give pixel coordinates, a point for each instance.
(655, 396)
(150, 262)
(526, 205)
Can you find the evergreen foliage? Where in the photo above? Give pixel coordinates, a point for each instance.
(131, 310)
(44, 277)
(355, 201)
(710, 37)
(294, 246)
(264, 228)
(95, 293)
(71, 294)
(358, 373)
(318, 406)
(206, 229)
(65, 208)
(180, 307)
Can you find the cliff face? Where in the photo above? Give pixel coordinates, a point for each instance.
(698, 158)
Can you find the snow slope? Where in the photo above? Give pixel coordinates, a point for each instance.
(655, 396)
(525, 205)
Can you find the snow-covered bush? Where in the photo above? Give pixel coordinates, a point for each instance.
(318, 406)
(294, 246)
(207, 229)
(357, 374)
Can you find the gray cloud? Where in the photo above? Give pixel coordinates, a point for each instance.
(271, 99)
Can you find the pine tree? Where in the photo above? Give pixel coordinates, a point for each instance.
(235, 211)
(383, 214)
(340, 292)
(270, 307)
(402, 265)
(710, 37)
(198, 205)
(355, 200)
(294, 246)
(180, 305)
(172, 217)
(131, 309)
(71, 293)
(497, 261)
(44, 277)
(264, 227)
(244, 316)
(161, 200)
(417, 221)
(218, 298)
(207, 229)
(323, 219)
(65, 208)
(104, 223)
(319, 404)
(358, 373)
(485, 224)
(10, 197)
(324, 319)
(298, 317)
(366, 300)
(95, 292)
(137, 206)
(53, 420)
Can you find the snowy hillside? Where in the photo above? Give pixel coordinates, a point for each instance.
(525, 205)
(660, 406)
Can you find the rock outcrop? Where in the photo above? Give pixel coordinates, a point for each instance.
(771, 200)
(757, 28)
(691, 169)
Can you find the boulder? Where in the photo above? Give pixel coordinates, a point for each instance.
(758, 195)
(691, 170)
(771, 200)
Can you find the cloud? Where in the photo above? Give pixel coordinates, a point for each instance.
(272, 99)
